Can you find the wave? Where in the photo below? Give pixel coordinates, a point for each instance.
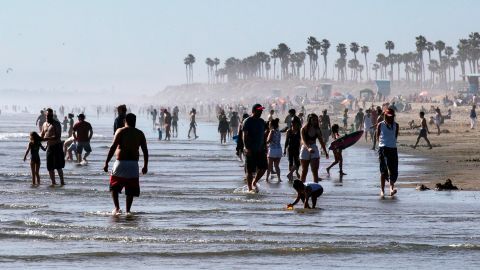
(21, 206)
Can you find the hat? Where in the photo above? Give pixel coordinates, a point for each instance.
(389, 112)
(81, 115)
(257, 107)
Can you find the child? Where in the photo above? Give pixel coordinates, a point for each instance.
(274, 154)
(337, 152)
(34, 147)
(292, 143)
(304, 192)
(423, 131)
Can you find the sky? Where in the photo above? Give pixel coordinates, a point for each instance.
(139, 46)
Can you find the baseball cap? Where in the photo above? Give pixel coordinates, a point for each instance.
(257, 107)
(389, 112)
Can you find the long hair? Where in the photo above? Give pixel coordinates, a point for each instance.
(35, 139)
(310, 117)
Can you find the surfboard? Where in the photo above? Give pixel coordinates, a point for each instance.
(346, 140)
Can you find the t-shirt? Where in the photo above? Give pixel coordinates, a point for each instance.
(314, 186)
(256, 129)
(82, 129)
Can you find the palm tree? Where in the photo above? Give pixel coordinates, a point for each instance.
(462, 55)
(186, 61)
(315, 47)
(389, 45)
(312, 57)
(342, 61)
(440, 46)
(283, 54)
(324, 46)
(454, 64)
(449, 52)
(365, 50)
(421, 44)
(474, 49)
(354, 47)
(216, 62)
(191, 61)
(274, 54)
(376, 67)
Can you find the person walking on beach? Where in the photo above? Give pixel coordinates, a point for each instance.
(82, 132)
(193, 123)
(473, 117)
(309, 153)
(34, 147)
(125, 172)
(234, 122)
(254, 146)
(368, 126)
(387, 133)
(325, 126)
(289, 118)
(52, 133)
(65, 124)
(336, 152)
(344, 120)
(423, 131)
(292, 144)
(359, 119)
(70, 124)
(120, 119)
(438, 119)
(375, 120)
(274, 154)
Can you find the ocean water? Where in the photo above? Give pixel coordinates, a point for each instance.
(190, 214)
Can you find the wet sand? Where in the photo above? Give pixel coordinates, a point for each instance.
(455, 153)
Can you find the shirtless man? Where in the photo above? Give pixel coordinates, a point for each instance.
(52, 133)
(40, 120)
(125, 172)
(82, 132)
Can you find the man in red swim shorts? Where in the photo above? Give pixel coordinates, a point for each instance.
(125, 172)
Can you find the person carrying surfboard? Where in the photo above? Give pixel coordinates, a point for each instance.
(337, 153)
(387, 133)
(309, 154)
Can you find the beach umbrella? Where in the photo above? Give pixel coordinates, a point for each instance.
(337, 94)
(345, 101)
(423, 93)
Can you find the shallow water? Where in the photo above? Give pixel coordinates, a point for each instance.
(188, 215)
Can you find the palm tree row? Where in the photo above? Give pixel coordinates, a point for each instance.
(291, 65)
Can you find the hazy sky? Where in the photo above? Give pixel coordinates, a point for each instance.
(140, 45)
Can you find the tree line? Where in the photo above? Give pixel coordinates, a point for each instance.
(281, 63)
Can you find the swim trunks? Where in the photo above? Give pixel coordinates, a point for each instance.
(55, 157)
(125, 174)
(256, 161)
(83, 145)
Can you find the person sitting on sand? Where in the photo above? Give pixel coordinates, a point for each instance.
(387, 133)
(337, 152)
(423, 131)
(305, 192)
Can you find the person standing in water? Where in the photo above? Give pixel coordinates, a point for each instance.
(52, 133)
(368, 126)
(34, 147)
(167, 124)
(40, 120)
(223, 128)
(325, 126)
(70, 124)
(423, 131)
(292, 143)
(125, 172)
(82, 132)
(336, 152)
(193, 124)
(473, 117)
(120, 119)
(274, 154)
(309, 153)
(387, 133)
(254, 146)
(65, 124)
(175, 122)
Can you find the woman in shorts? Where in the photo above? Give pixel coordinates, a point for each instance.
(309, 154)
(274, 154)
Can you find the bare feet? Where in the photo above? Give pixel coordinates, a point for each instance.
(290, 177)
(342, 173)
(393, 192)
(328, 171)
(382, 194)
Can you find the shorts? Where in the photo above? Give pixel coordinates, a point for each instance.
(293, 159)
(55, 157)
(256, 161)
(274, 152)
(125, 173)
(306, 155)
(388, 158)
(423, 133)
(83, 145)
